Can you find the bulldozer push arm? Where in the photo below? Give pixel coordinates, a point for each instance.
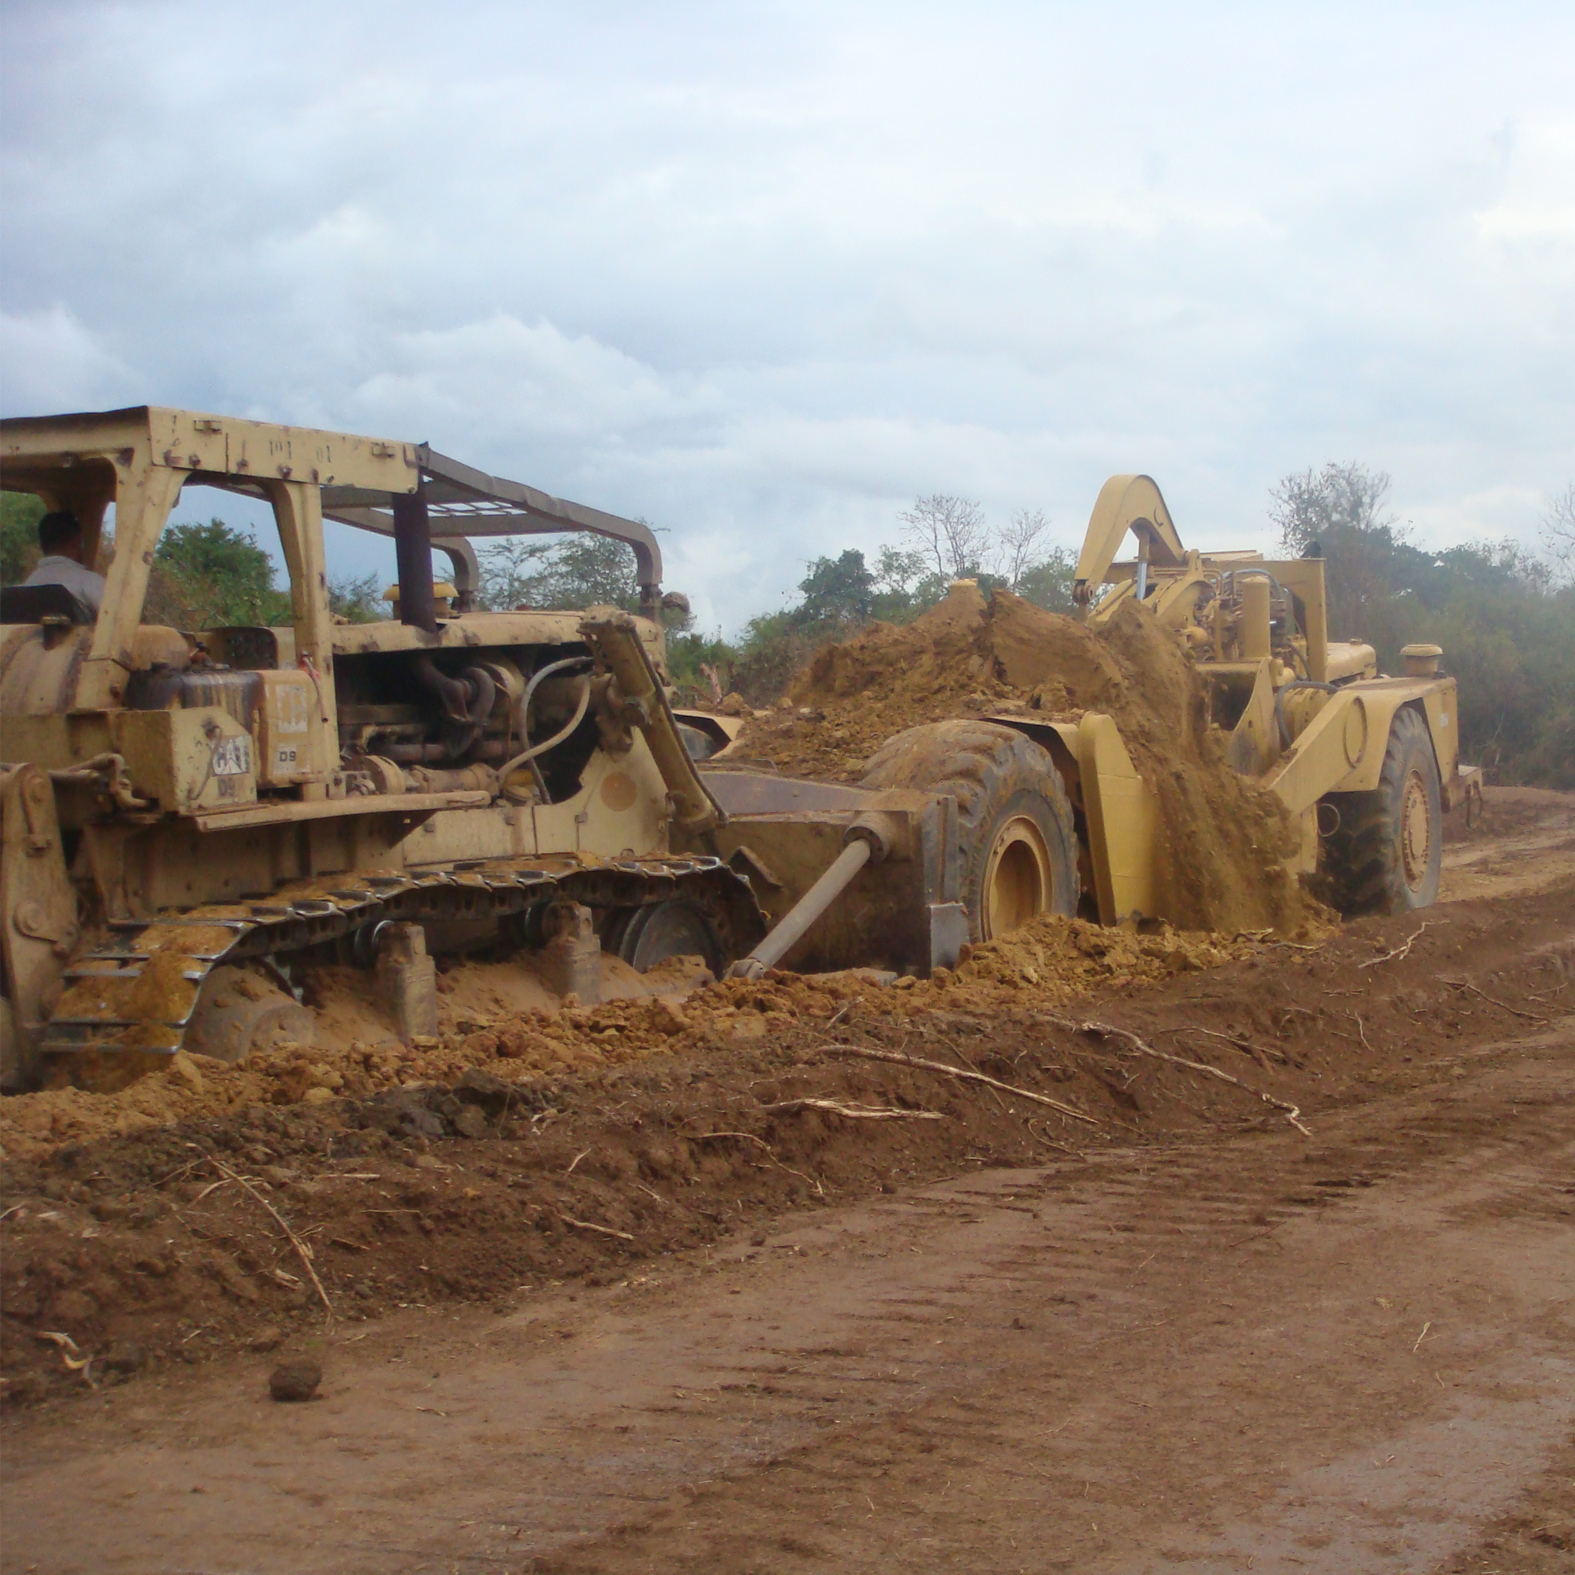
(616, 641)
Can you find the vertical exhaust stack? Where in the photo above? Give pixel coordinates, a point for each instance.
(413, 553)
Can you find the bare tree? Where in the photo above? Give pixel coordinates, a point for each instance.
(950, 532)
(1313, 505)
(1017, 543)
(1338, 513)
(1558, 532)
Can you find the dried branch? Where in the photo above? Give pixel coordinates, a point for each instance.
(965, 1076)
(1465, 984)
(749, 1137)
(1236, 1042)
(302, 1251)
(1396, 954)
(1109, 1031)
(601, 1230)
(858, 1112)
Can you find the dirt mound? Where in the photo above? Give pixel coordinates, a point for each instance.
(1055, 960)
(489, 1160)
(356, 1057)
(1225, 838)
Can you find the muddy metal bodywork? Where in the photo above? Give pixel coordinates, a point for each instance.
(1308, 717)
(186, 799)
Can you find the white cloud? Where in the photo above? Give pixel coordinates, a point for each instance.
(762, 274)
(50, 361)
(1538, 199)
(524, 382)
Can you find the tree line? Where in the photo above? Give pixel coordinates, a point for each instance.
(1504, 615)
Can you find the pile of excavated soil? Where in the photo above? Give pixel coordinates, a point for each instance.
(1225, 838)
(462, 1171)
(356, 1056)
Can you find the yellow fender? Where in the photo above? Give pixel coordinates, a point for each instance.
(1123, 823)
(1342, 749)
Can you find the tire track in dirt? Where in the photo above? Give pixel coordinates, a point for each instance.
(1155, 1349)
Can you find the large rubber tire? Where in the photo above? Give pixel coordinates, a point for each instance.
(1016, 839)
(1386, 850)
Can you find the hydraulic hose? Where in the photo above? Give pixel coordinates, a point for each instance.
(467, 701)
(528, 755)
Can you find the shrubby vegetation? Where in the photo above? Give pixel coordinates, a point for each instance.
(214, 576)
(20, 513)
(1505, 617)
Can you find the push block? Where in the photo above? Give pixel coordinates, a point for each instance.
(572, 957)
(407, 979)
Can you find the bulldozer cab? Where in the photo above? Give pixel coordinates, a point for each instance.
(177, 800)
(64, 673)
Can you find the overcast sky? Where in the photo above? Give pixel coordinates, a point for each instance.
(762, 273)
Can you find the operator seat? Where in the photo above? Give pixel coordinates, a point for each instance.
(35, 603)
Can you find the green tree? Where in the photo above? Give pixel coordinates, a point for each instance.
(1339, 512)
(212, 576)
(1047, 582)
(560, 572)
(357, 600)
(905, 585)
(838, 593)
(20, 513)
(1507, 627)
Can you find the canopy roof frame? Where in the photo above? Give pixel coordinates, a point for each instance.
(464, 502)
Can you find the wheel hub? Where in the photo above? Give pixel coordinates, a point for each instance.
(675, 928)
(1416, 831)
(1017, 878)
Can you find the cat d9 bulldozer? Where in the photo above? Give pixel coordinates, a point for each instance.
(193, 816)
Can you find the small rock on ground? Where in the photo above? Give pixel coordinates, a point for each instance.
(295, 1380)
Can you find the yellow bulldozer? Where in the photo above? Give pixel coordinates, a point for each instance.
(191, 818)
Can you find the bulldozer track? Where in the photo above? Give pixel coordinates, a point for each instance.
(134, 994)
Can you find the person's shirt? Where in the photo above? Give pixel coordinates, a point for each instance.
(81, 581)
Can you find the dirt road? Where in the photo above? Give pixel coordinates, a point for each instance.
(1349, 1352)
(1169, 1333)
(1525, 841)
